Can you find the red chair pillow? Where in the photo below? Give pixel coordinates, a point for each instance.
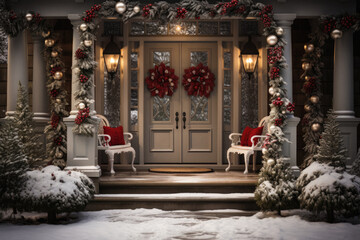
(253, 132)
(116, 134)
(245, 136)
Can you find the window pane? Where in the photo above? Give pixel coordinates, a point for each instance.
(134, 116)
(134, 59)
(161, 57)
(198, 57)
(134, 76)
(227, 78)
(137, 28)
(155, 28)
(227, 97)
(227, 59)
(183, 28)
(199, 108)
(161, 108)
(225, 28)
(208, 28)
(227, 116)
(134, 97)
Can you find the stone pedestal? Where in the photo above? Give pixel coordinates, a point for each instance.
(290, 149)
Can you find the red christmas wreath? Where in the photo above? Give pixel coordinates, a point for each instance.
(199, 80)
(162, 81)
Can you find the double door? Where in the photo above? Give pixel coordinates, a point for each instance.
(180, 128)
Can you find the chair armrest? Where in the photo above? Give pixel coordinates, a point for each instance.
(129, 137)
(234, 140)
(103, 140)
(259, 143)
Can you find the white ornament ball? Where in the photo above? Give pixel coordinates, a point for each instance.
(54, 54)
(279, 31)
(283, 112)
(270, 161)
(120, 7)
(309, 48)
(58, 100)
(29, 17)
(83, 27)
(137, 9)
(59, 155)
(88, 43)
(272, 128)
(264, 151)
(156, 91)
(271, 90)
(272, 40)
(315, 127)
(58, 75)
(278, 94)
(336, 34)
(306, 66)
(76, 70)
(81, 105)
(45, 34)
(49, 42)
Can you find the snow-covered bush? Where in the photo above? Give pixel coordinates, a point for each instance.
(355, 169)
(54, 191)
(338, 194)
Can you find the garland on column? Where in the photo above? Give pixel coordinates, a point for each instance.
(14, 23)
(312, 122)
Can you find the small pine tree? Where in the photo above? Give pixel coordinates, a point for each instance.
(331, 149)
(13, 166)
(355, 169)
(24, 120)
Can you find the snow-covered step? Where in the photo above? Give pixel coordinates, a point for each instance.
(175, 201)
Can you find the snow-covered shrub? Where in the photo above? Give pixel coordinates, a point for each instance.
(54, 191)
(355, 169)
(335, 193)
(13, 166)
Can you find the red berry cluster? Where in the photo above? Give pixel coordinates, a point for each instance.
(278, 102)
(58, 141)
(290, 107)
(329, 25)
(146, 10)
(212, 13)
(279, 121)
(264, 14)
(268, 8)
(274, 54)
(310, 85)
(90, 14)
(37, 18)
(181, 13)
(305, 121)
(274, 73)
(54, 93)
(241, 9)
(82, 115)
(226, 7)
(55, 69)
(12, 15)
(347, 21)
(83, 78)
(55, 120)
(80, 54)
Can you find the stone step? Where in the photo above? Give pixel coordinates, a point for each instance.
(175, 201)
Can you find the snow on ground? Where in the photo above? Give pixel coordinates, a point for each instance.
(157, 224)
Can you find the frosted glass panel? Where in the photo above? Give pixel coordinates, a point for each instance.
(134, 59)
(225, 28)
(227, 115)
(161, 108)
(227, 78)
(227, 59)
(155, 28)
(161, 57)
(199, 108)
(137, 28)
(227, 97)
(208, 28)
(198, 57)
(134, 97)
(183, 28)
(134, 116)
(134, 81)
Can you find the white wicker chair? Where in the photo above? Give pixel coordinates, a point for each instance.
(247, 150)
(103, 144)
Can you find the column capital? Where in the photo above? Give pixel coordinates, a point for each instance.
(285, 19)
(75, 19)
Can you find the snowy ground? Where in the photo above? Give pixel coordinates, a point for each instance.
(158, 224)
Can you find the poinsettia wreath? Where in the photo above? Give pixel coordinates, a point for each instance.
(162, 80)
(199, 81)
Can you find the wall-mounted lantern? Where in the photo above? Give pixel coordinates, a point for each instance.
(111, 55)
(249, 56)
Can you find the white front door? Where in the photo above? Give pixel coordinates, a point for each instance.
(180, 128)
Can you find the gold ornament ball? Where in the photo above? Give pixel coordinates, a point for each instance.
(120, 7)
(54, 54)
(58, 100)
(59, 155)
(271, 91)
(58, 75)
(271, 40)
(83, 27)
(279, 31)
(307, 78)
(88, 43)
(49, 42)
(81, 105)
(29, 17)
(270, 161)
(336, 34)
(309, 48)
(315, 127)
(45, 34)
(307, 108)
(137, 9)
(314, 99)
(306, 66)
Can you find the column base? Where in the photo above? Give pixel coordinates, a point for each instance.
(348, 128)
(290, 149)
(40, 124)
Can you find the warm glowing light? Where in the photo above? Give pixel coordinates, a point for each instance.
(178, 28)
(249, 61)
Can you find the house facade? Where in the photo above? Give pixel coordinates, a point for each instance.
(183, 130)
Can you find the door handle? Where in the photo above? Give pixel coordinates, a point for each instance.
(177, 120)
(184, 119)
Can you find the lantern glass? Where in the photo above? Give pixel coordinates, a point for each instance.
(249, 56)
(111, 55)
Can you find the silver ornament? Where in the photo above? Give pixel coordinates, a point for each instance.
(29, 17)
(278, 94)
(271, 90)
(83, 27)
(58, 75)
(88, 43)
(309, 48)
(270, 161)
(314, 99)
(54, 54)
(45, 34)
(49, 42)
(306, 66)
(271, 40)
(120, 7)
(264, 151)
(315, 127)
(336, 34)
(137, 9)
(81, 105)
(279, 31)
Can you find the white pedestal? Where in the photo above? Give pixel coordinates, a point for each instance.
(289, 149)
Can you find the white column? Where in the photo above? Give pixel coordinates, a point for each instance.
(40, 96)
(343, 92)
(17, 70)
(82, 153)
(285, 20)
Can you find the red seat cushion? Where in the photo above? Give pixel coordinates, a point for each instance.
(245, 136)
(253, 132)
(116, 134)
